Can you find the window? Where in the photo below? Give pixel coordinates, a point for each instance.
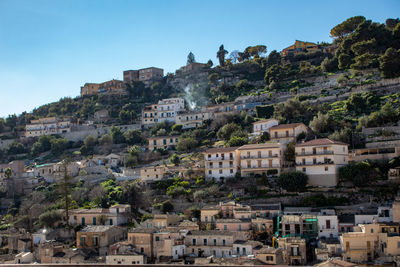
(83, 240)
(326, 169)
(94, 220)
(111, 221)
(231, 170)
(194, 242)
(220, 164)
(223, 242)
(287, 133)
(240, 227)
(209, 172)
(225, 227)
(205, 242)
(220, 171)
(209, 155)
(259, 154)
(304, 169)
(328, 224)
(244, 251)
(215, 242)
(157, 238)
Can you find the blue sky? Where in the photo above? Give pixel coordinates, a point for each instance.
(49, 48)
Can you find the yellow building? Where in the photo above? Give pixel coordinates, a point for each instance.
(209, 214)
(153, 173)
(321, 160)
(300, 46)
(286, 133)
(90, 89)
(264, 158)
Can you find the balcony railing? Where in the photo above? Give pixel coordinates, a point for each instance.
(310, 153)
(261, 166)
(259, 157)
(314, 164)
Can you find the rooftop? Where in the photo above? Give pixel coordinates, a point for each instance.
(212, 232)
(221, 149)
(262, 121)
(320, 142)
(260, 146)
(287, 126)
(97, 228)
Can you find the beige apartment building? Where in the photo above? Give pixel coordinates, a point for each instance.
(99, 237)
(192, 119)
(286, 133)
(209, 214)
(150, 115)
(221, 163)
(48, 126)
(163, 142)
(210, 243)
(321, 159)
(370, 241)
(262, 126)
(115, 215)
(260, 159)
(142, 239)
(294, 250)
(153, 173)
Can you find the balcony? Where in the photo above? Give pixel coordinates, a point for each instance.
(260, 157)
(274, 166)
(314, 164)
(311, 153)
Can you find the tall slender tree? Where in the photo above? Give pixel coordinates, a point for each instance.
(65, 187)
(221, 55)
(190, 58)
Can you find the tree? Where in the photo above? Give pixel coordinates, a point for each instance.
(167, 206)
(176, 128)
(221, 55)
(273, 74)
(227, 130)
(49, 218)
(105, 140)
(360, 173)
(290, 153)
(237, 141)
(58, 146)
(234, 56)
(65, 187)
(389, 63)
(186, 144)
(8, 173)
(15, 148)
(190, 58)
(133, 137)
(117, 135)
(293, 181)
(321, 123)
(346, 27)
(126, 116)
(273, 58)
(256, 51)
(175, 159)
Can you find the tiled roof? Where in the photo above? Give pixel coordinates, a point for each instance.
(262, 121)
(221, 149)
(287, 126)
(321, 142)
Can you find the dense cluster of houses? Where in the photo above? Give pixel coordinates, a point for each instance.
(258, 233)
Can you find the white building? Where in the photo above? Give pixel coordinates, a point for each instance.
(262, 126)
(328, 224)
(192, 119)
(126, 259)
(48, 126)
(264, 158)
(321, 159)
(220, 163)
(169, 108)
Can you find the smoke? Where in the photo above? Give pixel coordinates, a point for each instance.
(189, 96)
